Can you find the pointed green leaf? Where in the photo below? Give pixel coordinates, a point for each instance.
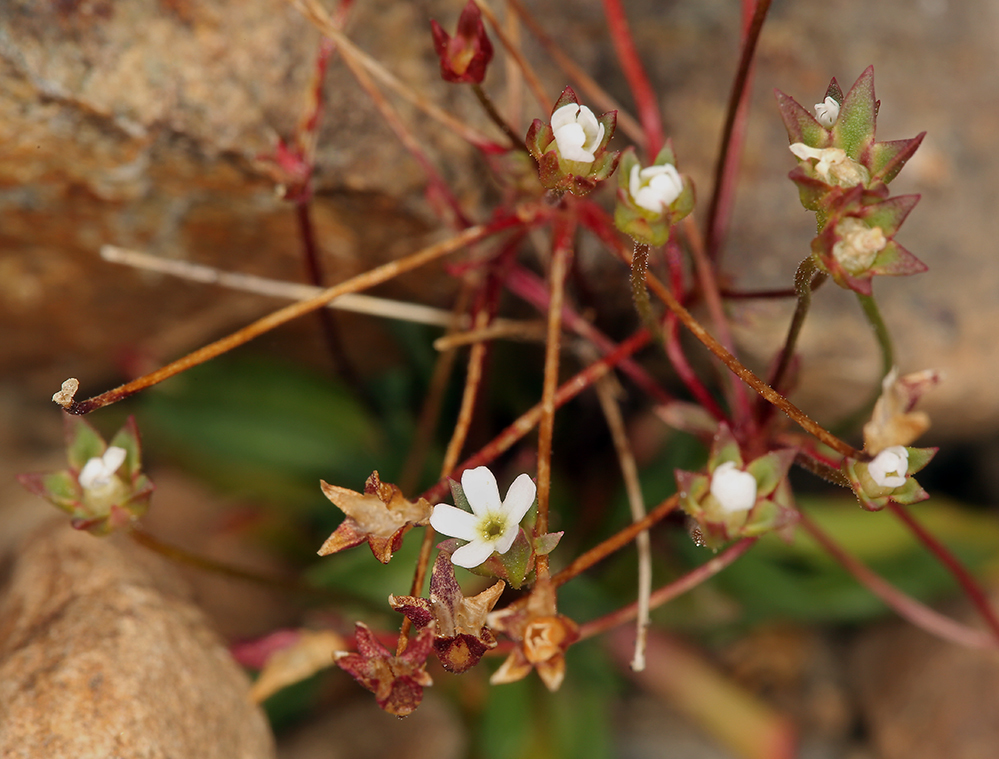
(854, 129)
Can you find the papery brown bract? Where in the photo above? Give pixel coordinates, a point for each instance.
(542, 636)
(380, 516)
(461, 636)
(893, 422)
(396, 681)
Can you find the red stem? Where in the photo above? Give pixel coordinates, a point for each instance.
(907, 607)
(634, 72)
(670, 591)
(971, 588)
(527, 421)
(733, 134)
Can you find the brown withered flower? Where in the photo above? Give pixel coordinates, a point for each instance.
(543, 636)
(893, 421)
(460, 633)
(396, 681)
(379, 516)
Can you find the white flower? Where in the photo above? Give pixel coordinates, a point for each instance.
(97, 473)
(577, 132)
(834, 165)
(492, 525)
(733, 488)
(858, 245)
(655, 187)
(889, 467)
(827, 112)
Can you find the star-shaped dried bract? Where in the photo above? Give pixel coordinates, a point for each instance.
(379, 516)
(542, 634)
(396, 681)
(461, 636)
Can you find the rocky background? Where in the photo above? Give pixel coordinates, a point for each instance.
(141, 124)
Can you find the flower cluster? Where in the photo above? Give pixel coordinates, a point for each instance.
(736, 499)
(571, 149)
(104, 488)
(652, 199)
(843, 175)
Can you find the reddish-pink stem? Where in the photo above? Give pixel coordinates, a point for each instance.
(674, 351)
(670, 591)
(958, 570)
(527, 421)
(634, 72)
(733, 133)
(527, 285)
(908, 607)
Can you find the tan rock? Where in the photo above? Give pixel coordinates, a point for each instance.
(102, 655)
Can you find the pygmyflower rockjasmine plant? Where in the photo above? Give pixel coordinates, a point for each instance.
(827, 111)
(651, 199)
(97, 474)
(571, 150)
(888, 467)
(492, 525)
(733, 488)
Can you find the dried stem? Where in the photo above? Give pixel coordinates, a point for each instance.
(668, 592)
(605, 388)
(561, 257)
(917, 613)
(615, 542)
(487, 104)
(968, 583)
(732, 136)
(634, 72)
(357, 303)
(587, 85)
(527, 421)
(368, 279)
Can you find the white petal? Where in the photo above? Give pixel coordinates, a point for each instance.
(481, 490)
(472, 554)
(735, 489)
(588, 121)
(564, 115)
(457, 523)
(634, 182)
(889, 467)
(803, 151)
(519, 499)
(502, 545)
(114, 457)
(570, 140)
(92, 473)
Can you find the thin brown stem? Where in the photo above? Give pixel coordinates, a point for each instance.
(529, 419)
(487, 104)
(615, 542)
(532, 79)
(364, 281)
(561, 258)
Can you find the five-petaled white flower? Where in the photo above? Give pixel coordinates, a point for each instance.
(577, 132)
(98, 471)
(827, 112)
(654, 188)
(733, 488)
(493, 524)
(889, 467)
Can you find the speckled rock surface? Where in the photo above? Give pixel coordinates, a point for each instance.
(101, 654)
